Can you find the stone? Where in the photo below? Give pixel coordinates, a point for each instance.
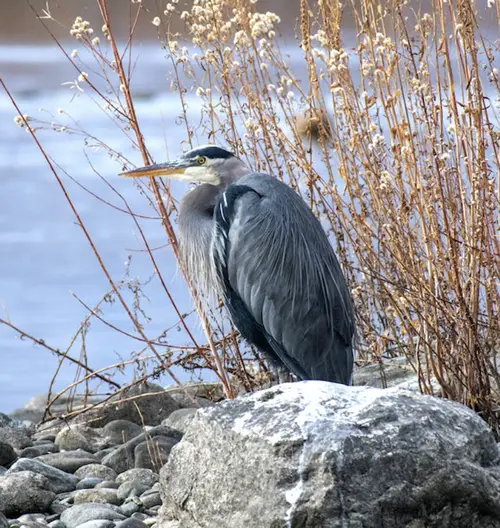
(59, 505)
(391, 372)
(121, 431)
(98, 523)
(180, 419)
(131, 523)
(123, 457)
(37, 450)
(35, 409)
(149, 500)
(59, 481)
(197, 394)
(5, 420)
(141, 516)
(3, 470)
(57, 524)
(321, 454)
(89, 483)
(7, 454)
(17, 437)
(91, 511)
(101, 495)
(154, 453)
(69, 461)
(141, 475)
(44, 436)
(24, 492)
(31, 518)
(108, 484)
(96, 470)
(144, 403)
(130, 507)
(78, 436)
(131, 488)
(4, 523)
(103, 452)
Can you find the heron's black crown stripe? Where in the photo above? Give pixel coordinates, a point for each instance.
(210, 152)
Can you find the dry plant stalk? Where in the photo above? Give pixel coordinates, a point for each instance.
(405, 172)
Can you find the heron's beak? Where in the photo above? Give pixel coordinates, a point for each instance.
(172, 169)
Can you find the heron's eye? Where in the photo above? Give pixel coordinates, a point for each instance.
(201, 160)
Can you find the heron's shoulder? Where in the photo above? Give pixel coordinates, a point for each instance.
(262, 182)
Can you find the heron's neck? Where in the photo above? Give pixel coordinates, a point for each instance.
(196, 230)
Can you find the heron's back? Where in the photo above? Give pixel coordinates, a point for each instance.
(282, 280)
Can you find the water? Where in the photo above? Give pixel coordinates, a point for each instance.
(44, 255)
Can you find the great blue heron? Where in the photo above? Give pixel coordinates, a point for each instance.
(250, 238)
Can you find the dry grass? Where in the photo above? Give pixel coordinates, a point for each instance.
(402, 168)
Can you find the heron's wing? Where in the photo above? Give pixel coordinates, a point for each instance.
(282, 279)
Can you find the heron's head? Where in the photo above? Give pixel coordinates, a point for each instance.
(205, 164)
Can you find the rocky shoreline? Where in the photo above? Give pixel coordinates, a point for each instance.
(298, 455)
(64, 475)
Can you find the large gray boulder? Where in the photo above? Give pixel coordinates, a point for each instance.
(317, 454)
(24, 492)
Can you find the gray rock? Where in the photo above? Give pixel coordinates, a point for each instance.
(59, 481)
(197, 394)
(180, 419)
(16, 437)
(321, 454)
(4, 523)
(130, 507)
(145, 403)
(59, 505)
(131, 523)
(141, 516)
(391, 372)
(57, 524)
(28, 524)
(103, 452)
(89, 483)
(121, 431)
(79, 437)
(123, 458)
(69, 461)
(108, 484)
(131, 488)
(142, 475)
(34, 410)
(7, 454)
(44, 436)
(101, 495)
(31, 518)
(5, 420)
(154, 453)
(37, 450)
(96, 470)
(24, 492)
(3, 470)
(149, 500)
(91, 511)
(97, 524)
